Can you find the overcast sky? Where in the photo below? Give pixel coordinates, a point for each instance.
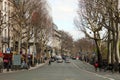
(63, 13)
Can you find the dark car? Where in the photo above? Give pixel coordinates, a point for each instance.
(74, 58)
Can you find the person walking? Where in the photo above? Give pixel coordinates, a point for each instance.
(96, 66)
(50, 61)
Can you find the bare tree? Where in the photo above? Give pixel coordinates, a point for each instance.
(90, 19)
(26, 23)
(112, 15)
(67, 42)
(99, 16)
(42, 23)
(20, 17)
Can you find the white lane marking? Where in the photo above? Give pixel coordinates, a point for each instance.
(104, 77)
(93, 73)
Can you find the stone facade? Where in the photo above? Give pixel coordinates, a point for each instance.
(6, 33)
(56, 40)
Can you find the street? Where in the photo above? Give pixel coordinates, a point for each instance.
(76, 70)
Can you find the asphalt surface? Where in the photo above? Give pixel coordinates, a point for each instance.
(76, 70)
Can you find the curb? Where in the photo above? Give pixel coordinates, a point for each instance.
(37, 66)
(31, 68)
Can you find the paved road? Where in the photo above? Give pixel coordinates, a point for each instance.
(56, 71)
(90, 69)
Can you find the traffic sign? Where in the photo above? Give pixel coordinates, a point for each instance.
(8, 50)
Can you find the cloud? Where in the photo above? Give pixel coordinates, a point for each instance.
(63, 8)
(76, 34)
(63, 12)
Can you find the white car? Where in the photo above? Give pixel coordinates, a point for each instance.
(67, 61)
(59, 60)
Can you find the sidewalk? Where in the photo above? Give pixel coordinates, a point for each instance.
(31, 68)
(38, 65)
(88, 67)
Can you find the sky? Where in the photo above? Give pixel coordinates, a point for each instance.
(63, 14)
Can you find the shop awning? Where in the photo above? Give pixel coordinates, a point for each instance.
(1, 54)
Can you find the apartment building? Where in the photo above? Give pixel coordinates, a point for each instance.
(0, 5)
(56, 41)
(6, 10)
(0, 21)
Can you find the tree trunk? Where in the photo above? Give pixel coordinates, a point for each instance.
(19, 43)
(109, 48)
(117, 56)
(98, 54)
(117, 31)
(34, 44)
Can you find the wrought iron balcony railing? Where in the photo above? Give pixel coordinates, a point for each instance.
(5, 39)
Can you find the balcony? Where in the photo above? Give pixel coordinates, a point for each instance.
(5, 39)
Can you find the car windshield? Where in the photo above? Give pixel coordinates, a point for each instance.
(59, 39)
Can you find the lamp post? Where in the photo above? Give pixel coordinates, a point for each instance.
(0, 24)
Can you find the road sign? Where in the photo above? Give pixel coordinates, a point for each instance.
(8, 50)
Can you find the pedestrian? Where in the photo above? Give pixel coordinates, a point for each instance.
(50, 61)
(1, 64)
(96, 66)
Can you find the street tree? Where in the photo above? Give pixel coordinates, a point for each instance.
(42, 27)
(31, 21)
(88, 22)
(101, 16)
(66, 42)
(85, 48)
(20, 18)
(111, 23)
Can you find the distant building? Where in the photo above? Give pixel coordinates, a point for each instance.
(55, 41)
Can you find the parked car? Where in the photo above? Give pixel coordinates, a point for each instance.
(59, 60)
(67, 60)
(73, 57)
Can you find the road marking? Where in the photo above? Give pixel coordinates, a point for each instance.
(69, 79)
(104, 77)
(93, 73)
